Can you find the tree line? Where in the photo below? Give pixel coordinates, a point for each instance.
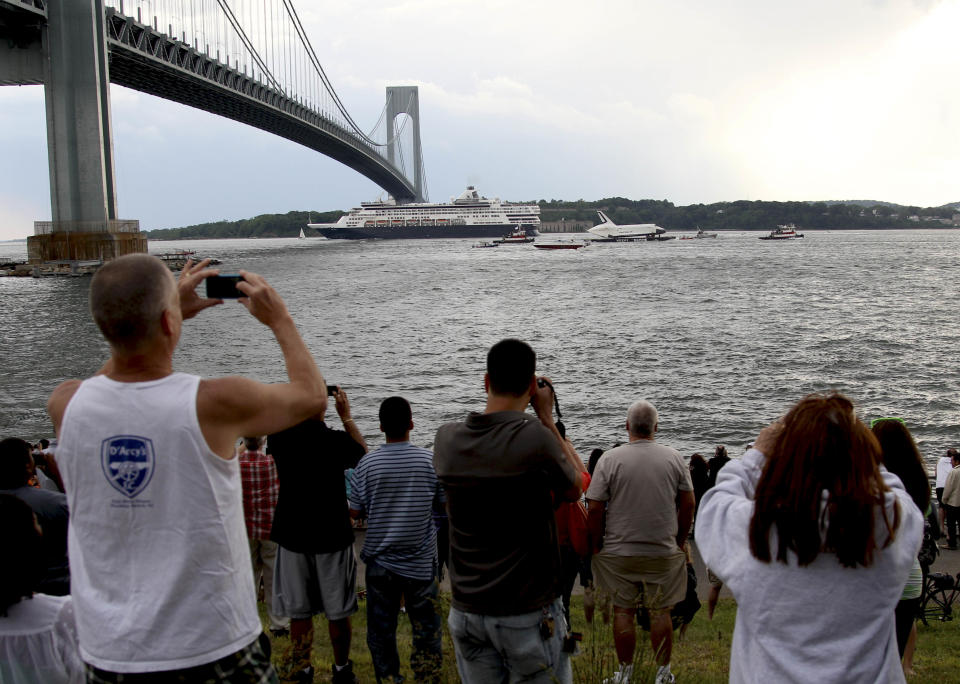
(746, 215)
(263, 226)
(739, 215)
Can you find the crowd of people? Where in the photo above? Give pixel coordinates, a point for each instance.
(148, 534)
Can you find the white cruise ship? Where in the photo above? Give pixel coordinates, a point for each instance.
(468, 216)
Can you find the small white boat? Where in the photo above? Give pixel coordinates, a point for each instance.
(302, 236)
(485, 244)
(700, 234)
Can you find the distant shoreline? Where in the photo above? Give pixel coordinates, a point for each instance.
(675, 231)
(669, 230)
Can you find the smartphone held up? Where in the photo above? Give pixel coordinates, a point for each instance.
(224, 286)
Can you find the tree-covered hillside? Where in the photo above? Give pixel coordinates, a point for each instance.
(745, 215)
(265, 225)
(740, 215)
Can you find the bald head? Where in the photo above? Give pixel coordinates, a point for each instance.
(127, 298)
(642, 419)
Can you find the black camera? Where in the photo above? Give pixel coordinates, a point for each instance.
(332, 390)
(224, 286)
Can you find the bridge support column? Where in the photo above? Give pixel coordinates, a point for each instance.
(405, 100)
(80, 142)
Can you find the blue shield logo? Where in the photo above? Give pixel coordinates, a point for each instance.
(128, 463)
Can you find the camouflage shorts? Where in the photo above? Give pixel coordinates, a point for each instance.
(250, 665)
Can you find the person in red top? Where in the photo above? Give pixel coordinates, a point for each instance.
(258, 474)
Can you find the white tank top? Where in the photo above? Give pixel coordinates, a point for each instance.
(160, 565)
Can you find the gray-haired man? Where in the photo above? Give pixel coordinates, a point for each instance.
(646, 492)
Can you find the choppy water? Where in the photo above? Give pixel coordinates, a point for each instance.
(722, 335)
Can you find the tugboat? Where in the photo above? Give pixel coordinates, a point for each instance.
(517, 237)
(786, 232)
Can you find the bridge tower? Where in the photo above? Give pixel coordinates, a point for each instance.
(80, 142)
(405, 100)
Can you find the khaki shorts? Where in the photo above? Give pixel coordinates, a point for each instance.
(660, 582)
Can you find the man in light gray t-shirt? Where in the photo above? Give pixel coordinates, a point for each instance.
(644, 489)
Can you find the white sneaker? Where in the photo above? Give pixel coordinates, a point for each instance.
(665, 677)
(621, 676)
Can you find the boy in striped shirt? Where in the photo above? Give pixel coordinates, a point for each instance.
(396, 488)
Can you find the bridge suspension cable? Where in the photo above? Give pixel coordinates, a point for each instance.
(265, 39)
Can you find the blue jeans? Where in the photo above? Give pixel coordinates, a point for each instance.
(510, 648)
(384, 591)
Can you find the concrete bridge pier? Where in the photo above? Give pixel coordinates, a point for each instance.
(80, 142)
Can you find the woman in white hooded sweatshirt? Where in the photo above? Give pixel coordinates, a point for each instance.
(815, 540)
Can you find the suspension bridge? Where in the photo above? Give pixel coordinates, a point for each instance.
(247, 60)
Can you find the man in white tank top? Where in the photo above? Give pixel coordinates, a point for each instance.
(162, 581)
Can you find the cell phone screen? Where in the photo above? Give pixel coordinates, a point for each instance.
(224, 286)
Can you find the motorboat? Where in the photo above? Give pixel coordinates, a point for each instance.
(485, 244)
(519, 236)
(560, 244)
(700, 234)
(785, 232)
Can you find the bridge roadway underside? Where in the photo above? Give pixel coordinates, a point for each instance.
(141, 72)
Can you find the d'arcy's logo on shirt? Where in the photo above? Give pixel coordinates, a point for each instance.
(128, 463)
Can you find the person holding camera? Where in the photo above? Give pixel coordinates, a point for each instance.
(815, 540)
(160, 563)
(316, 569)
(502, 471)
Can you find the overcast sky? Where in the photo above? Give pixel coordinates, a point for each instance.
(689, 101)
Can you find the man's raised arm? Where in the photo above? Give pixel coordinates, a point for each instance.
(542, 402)
(235, 406)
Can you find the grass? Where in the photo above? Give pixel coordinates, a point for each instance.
(702, 657)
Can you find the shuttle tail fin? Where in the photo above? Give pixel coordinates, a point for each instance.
(604, 218)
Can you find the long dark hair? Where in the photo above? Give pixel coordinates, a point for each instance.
(698, 468)
(22, 568)
(822, 447)
(902, 458)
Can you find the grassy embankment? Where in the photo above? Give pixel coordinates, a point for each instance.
(703, 656)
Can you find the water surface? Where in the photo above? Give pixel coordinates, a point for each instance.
(721, 335)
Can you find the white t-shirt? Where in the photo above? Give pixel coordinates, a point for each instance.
(944, 466)
(38, 642)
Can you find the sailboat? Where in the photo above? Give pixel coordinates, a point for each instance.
(302, 236)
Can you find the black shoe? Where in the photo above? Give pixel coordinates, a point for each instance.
(304, 676)
(344, 676)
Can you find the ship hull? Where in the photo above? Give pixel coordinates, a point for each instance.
(420, 232)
